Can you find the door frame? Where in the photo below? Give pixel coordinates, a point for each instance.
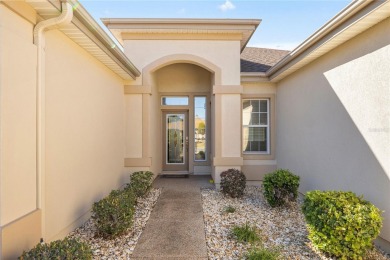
(182, 167)
(191, 123)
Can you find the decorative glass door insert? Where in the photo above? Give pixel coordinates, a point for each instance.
(175, 138)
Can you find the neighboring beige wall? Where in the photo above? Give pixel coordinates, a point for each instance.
(333, 120)
(224, 54)
(17, 116)
(20, 221)
(84, 134)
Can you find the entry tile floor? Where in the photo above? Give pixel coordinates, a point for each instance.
(175, 229)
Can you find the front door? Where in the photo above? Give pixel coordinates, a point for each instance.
(175, 141)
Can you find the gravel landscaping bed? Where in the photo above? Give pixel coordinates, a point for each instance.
(121, 247)
(282, 227)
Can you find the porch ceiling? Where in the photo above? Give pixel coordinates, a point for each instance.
(209, 29)
(89, 35)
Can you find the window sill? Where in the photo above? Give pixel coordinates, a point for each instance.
(258, 156)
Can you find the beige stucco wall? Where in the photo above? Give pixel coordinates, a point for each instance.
(84, 134)
(182, 78)
(231, 125)
(333, 120)
(17, 116)
(224, 54)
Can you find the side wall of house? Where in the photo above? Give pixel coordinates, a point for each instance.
(19, 216)
(84, 134)
(333, 119)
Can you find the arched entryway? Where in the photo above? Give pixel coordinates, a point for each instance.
(181, 114)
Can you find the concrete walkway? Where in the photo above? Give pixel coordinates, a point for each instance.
(175, 229)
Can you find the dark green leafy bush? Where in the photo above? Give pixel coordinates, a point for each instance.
(246, 233)
(140, 182)
(340, 223)
(280, 186)
(113, 214)
(59, 249)
(233, 183)
(262, 253)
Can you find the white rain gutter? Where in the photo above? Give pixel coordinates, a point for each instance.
(64, 18)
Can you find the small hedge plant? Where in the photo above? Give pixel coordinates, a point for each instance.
(59, 249)
(262, 253)
(233, 183)
(246, 233)
(341, 223)
(280, 186)
(113, 214)
(229, 209)
(140, 182)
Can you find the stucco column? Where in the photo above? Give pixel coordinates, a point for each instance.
(227, 141)
(137, 122)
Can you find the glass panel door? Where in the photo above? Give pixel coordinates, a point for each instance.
(175, 140)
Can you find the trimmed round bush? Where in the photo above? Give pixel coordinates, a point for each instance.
(341, 223)
(233, 183)
(113, 214)
(140, 183)
(59, 249)
(280, 187)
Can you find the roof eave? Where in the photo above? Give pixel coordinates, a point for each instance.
(253, 77)
(89, 22)
(324, 36)
(174, 23)
(85, 23)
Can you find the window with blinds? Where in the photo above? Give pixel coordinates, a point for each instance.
(255, 126)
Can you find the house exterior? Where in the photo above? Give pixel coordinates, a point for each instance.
(78, 114)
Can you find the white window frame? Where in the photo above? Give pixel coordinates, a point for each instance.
(247, 126)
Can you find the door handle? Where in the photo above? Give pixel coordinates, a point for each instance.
(187, 143)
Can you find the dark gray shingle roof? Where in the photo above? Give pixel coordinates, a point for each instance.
(260, 59)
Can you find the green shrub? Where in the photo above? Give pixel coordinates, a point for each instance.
(246, 233)
(140, 182)
(113, 214)
(59, 249)
(262, 253)
(229, 209)
(233, 183)
(340, 223)
(280, 187)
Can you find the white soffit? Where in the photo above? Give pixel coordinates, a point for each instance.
(81, 35)
(123, 26)
(360, 22)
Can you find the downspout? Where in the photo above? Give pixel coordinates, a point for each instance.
(53, 23)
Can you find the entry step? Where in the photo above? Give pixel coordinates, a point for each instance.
(175, 174)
